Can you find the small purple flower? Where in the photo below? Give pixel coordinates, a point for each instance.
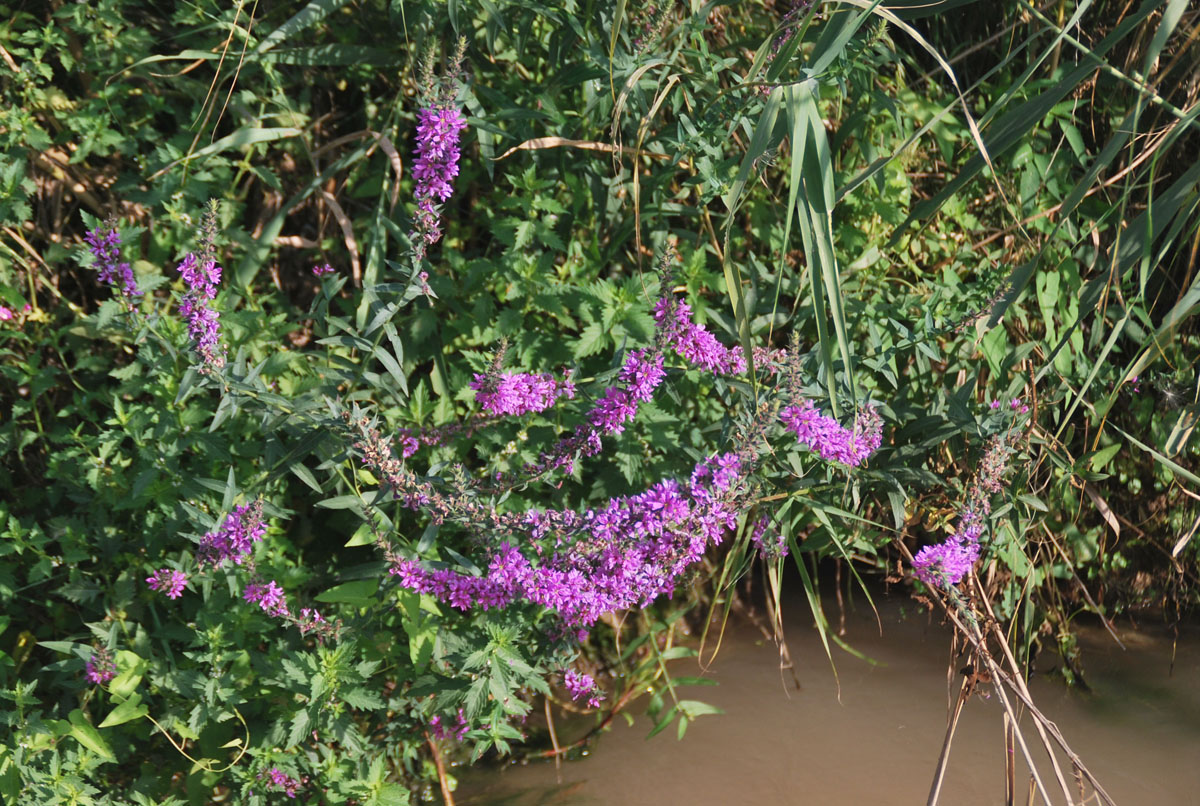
(769, 549)
(168, 581)
(100, 667)
(283, 782)
(5, 314)
(321, 271)
(201, 279)
(105, 245)
(582, 685)
(459, 732)
(269, 597)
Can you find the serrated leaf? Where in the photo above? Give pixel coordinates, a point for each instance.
(591, 340)
(362, 699)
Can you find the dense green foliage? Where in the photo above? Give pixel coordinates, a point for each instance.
(941, 210)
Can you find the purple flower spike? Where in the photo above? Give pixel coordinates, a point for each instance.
(201, 279)
(829, 439)
(100, 667)
(168, 581)
(519, 393)
(105, 244)
(693, 341)
(945, 564)
(434, 169)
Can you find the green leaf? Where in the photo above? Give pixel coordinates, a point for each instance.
(87, 735)
(363, 536)
(126, 711)
(1100, 459)
(359, 593)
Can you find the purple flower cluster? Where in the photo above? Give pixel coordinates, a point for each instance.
(321, 271)
(1018, 406)
(772, 548)
(828, 438)
(201, 278)
(168, 581)
(946, 563)
(624, 554)
(235, 538)
(269, 597)
(282, 782)
(436, 165)
(105, 245)
(514, 394)
(458, 732)
(640, 375)
(100, 667)
(582, 685)
(693, 341)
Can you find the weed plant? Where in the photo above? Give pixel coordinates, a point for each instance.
(367, 394)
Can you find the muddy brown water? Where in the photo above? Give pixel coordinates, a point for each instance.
(877, 740)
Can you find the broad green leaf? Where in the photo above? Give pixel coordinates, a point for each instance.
(87, 735)
(130, 709)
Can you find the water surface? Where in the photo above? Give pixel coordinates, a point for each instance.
(877, 739)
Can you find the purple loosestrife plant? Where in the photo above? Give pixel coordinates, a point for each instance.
(945, 564)
(624, 554)
(168, 582)
(582, 685)
(104, 243)
(201, 277)
(234, 539)
(439, 126)
(100, 667)
(517, 393)
(832, 441)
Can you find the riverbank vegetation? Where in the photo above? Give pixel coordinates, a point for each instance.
(378, 374)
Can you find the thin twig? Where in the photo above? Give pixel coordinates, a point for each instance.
(447, 795)
(939, 775)
(553, 740)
